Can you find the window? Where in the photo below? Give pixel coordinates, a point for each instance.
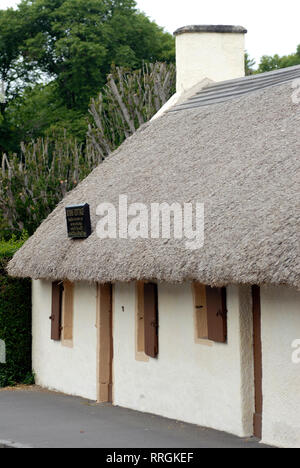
(210, 313)
(146, 320)
(62, 312)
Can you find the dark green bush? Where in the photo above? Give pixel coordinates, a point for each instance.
(15, 321)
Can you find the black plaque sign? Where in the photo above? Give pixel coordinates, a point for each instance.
(79, 221)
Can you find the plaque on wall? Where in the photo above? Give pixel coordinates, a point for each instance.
(79, 221)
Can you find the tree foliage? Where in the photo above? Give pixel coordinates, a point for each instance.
(249, 65)
(76, 41)
(39, 112)
(55, 56)
(127, 101)
(31, 188)
(15, 74)
(275, 62)
(15, 321)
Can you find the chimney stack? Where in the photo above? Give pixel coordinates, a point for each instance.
(213, 52)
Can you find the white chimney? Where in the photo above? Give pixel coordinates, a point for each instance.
(213, 52)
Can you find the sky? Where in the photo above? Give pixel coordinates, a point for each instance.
(273, 25)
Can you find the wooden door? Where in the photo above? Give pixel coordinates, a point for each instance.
(257, 349)
(105, 343)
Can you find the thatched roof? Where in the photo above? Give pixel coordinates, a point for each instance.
(240, 157)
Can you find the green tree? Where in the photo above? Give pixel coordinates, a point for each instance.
(15, 320)
(275, 62)
(39, 111)
(75, 42)
(55, 56)
(13, 73)
(11, 70)
(249, 65)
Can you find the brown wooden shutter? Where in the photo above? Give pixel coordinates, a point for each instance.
(199, 291)
(216, 314)
(151, 319)
(57, 289)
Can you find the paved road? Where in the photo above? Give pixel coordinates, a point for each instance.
(44, 419)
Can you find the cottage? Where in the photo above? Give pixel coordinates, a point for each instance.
(202, 335)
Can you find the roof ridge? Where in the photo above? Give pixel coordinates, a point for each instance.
(262, 77)
(259, 75)
(231, 89)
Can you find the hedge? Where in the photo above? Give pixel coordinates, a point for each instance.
(15, 321)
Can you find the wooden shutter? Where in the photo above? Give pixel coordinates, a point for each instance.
(199, 291)
(67, 311)
(57, 290)
(216, 314)
(151, 319)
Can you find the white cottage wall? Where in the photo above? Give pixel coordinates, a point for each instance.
(68, 370)
(206, 385)
(281, 377)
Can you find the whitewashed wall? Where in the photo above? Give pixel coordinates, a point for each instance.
(208, 386)
(281, 378)
(68, 370)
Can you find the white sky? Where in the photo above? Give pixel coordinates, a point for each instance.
(273, 25)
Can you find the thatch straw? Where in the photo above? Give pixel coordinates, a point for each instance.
(241, 158)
